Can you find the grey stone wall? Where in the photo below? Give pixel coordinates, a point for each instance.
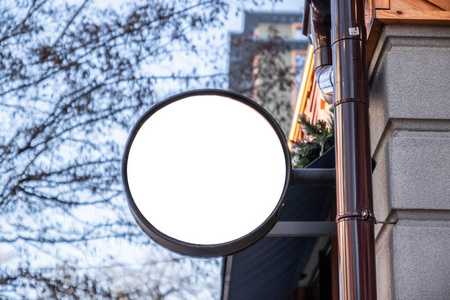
(410, 137)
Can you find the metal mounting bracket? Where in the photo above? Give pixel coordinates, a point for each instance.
(313, 177)
(299, 229)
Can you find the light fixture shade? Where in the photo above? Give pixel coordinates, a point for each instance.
(206, 172)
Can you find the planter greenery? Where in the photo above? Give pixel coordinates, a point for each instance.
(319, 138)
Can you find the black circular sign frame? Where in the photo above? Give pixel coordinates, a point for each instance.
(213, 250)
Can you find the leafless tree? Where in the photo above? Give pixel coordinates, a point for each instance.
(176, 278)
(73, 79)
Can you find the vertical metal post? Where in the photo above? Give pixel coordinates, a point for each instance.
(355, 220)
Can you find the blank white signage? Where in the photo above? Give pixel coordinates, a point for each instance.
(206, 169)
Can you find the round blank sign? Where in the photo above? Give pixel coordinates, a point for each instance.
(206, 172)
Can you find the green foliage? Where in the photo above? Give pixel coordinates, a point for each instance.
(319, 138)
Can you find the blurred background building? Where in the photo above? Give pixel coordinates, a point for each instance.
(266, 61)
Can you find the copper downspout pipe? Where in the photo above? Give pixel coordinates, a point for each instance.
(355, 219)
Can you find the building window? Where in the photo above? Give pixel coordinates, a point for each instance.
(296, 29)
(298, 34)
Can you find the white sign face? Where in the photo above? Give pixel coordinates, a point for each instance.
(206, 169)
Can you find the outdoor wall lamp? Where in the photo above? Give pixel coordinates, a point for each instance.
(318, 25)
(206, 172)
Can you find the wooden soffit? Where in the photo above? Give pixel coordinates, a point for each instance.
(425, 12)
(412, 11)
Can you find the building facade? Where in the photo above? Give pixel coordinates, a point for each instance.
(408, 51)
(409, 81)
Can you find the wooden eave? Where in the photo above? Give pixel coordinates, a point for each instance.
(424, 12)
